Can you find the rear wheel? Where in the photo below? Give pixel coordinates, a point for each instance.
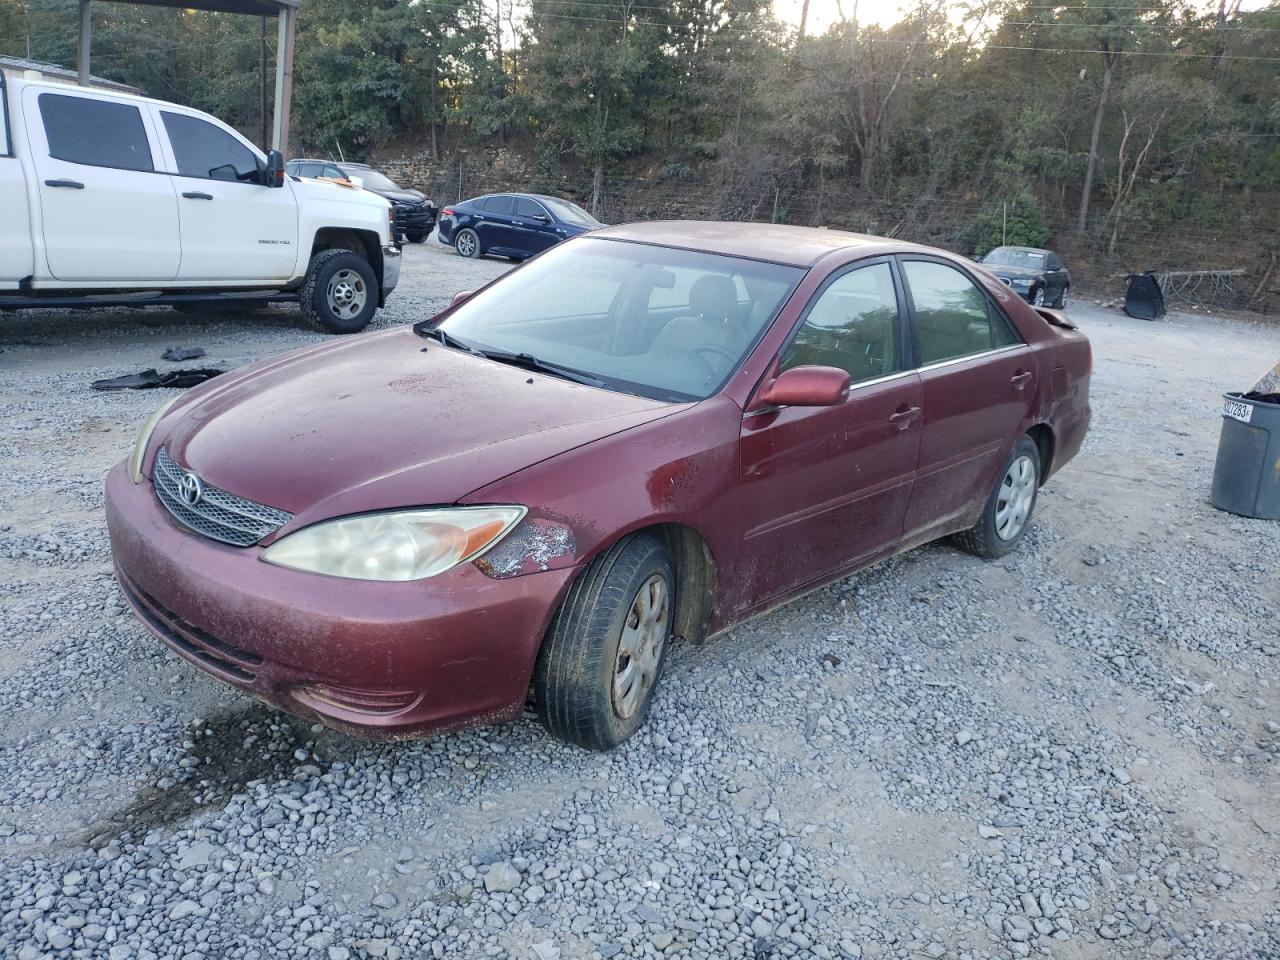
(340, 292)
(1062, 298)
(1008, 510)
(467, 243)
(603, 654)
(415, 236)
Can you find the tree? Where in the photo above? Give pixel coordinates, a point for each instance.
(589, 69)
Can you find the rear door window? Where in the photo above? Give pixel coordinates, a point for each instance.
(208, 152)
(98, 133)
(499, 205)
(953, 317)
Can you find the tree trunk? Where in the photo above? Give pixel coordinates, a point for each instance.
(597, 187)
(1108, 60)
(435, 84)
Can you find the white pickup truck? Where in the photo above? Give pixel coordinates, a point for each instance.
(108, 198)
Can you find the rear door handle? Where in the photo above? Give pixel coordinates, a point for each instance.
(73, 184)
(196, 195)
(902, 419)
(1020, 380)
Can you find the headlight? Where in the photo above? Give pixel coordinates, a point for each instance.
(1019, 282)
(399, 545)
(144, 437)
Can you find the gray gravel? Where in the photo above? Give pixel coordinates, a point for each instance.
(1069, 753)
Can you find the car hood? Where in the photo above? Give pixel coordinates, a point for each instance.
(404, 196)
(331, 192)
(386, 420)
(1019, 273)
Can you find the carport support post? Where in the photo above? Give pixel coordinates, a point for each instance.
(284, 79)
(86, 38)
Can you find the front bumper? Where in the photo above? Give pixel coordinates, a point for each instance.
(391, 258)
(385, 660)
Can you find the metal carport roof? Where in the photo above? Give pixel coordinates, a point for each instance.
(286, 14)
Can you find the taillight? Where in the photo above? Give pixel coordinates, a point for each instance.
(447, 212)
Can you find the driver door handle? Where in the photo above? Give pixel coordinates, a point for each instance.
(903, 419)
(73, 184)
(197, 195)
(1020, 380)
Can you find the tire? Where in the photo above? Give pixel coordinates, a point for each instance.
(1037, 297)
(1062, 299)
(993, 536)
(467, 243)
(415, 237)
(340, 292)
(580, 689)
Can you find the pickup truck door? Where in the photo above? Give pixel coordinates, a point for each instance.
(105, 212)
(16, 260)
(233, 226)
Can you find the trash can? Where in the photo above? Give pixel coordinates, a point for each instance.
(1246, 478)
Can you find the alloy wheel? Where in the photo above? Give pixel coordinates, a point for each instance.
(644, 634)
(1014, 499)
(465, 244)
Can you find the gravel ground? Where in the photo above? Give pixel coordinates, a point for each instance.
(1068, 753)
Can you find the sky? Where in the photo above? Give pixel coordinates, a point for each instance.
(823, 13)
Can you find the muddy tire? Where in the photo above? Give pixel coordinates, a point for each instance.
(602, 657)
(340, 293)
(467, 242)
(1008, 510)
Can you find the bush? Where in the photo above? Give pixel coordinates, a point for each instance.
(1024, 227)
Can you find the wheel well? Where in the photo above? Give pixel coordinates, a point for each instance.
(363, 242)
(695, 579)
(1043, 436)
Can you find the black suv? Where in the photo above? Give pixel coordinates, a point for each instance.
(414, 214)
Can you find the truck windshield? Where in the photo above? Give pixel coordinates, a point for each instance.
(653, 321)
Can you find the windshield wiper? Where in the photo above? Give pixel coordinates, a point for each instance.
(448, 339)
(530, 362)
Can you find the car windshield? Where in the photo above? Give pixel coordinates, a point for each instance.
(653, 321)
(1015, 257)
(568, 212)
(374, 180)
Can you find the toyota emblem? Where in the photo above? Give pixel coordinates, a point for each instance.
(190, 489)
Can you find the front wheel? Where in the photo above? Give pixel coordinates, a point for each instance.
(602, 656)
(1037, 297)
(340, 292)
(1008, 510)
(467, 243)
(415, 236)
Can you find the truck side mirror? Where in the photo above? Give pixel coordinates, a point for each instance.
(273, 175)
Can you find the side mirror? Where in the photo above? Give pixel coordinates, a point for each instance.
(805, 387)
(459, 297)
(273, 175)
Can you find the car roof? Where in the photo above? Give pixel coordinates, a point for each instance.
(774, 242)
(1009, 246)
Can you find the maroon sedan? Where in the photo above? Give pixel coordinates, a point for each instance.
(646, 432)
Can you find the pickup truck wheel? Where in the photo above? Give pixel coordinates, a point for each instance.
(1008, 510)
(467, 243)
(340, 292)
(600, 662)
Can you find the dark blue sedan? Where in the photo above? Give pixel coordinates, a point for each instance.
(514, 225)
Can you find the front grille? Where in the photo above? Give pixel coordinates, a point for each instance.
(205, 648)
(217, 515)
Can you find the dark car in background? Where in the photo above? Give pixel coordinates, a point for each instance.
(415, 215)
(1038, 276)
(513, 225)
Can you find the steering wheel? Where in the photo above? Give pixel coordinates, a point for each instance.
(718, 351)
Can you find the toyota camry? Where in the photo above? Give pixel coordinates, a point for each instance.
(645, 435)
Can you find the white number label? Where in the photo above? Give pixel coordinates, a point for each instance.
(1237, 410)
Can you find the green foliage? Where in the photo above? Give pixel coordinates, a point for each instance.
(1015, 223)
